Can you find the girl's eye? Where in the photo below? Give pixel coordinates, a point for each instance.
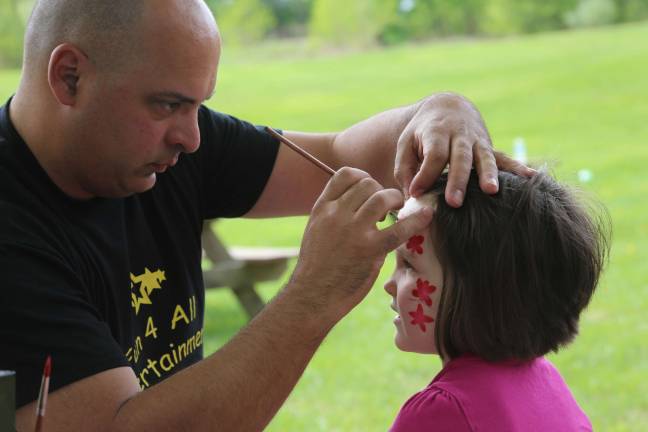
(406, 264)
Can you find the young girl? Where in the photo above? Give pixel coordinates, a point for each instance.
(492, 287)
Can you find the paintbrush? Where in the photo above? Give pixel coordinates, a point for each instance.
(42, 394)
(309, 157)
(300, 150)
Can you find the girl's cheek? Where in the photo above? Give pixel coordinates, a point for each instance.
(420, 294)
(420, 313)
(415, 244)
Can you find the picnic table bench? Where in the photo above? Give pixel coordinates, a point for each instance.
(241, 269)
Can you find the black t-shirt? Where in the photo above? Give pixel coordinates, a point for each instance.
(104, 283)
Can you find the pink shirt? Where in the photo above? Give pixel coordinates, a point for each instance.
(470, 394)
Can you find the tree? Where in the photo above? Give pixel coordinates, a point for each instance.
(344, 22)
(292, 16)
(591, 13)
(443, 17)
(631, 10)
(243, 21)
(534, 16)
(525, 16)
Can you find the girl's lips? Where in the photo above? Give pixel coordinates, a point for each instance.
(397, 318)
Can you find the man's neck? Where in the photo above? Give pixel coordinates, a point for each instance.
(35, 119)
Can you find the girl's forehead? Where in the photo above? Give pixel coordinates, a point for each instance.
(420, 243)
(412, 205)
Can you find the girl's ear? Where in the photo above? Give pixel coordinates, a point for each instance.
(67, 66)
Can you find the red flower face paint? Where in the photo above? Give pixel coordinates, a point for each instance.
(415, 287)
(415, 244)
(423, 290)
(419, 318)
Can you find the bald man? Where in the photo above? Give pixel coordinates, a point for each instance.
(109, 164)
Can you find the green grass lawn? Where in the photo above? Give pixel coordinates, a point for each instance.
(579, 99)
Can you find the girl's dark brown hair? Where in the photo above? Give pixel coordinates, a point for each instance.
(519, 267)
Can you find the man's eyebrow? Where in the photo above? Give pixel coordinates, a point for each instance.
(177, 96)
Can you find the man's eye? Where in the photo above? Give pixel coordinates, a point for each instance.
(170, 106)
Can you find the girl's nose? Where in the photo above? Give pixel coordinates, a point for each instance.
(390, 287)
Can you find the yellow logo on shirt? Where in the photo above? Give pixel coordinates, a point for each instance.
(147, 282)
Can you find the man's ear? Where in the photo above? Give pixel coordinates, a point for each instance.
(66, 66)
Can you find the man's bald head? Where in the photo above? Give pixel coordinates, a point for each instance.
(106, 31)
(110, 33)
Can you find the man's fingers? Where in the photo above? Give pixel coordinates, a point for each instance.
(381, 202)
(435, 159)
(401, 231)
(359, 193)
(486, 167)
(341, 181)
(406, 162)
(505, 163)
(461, 160)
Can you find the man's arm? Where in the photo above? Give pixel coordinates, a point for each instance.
(241, 386)
(407, 147)
(238, 388)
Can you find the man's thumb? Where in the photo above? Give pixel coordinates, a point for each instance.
(405, 228)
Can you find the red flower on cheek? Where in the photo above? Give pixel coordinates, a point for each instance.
(415, 244)
(423, 290)
(419, 318)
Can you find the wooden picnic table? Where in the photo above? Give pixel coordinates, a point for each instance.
(242, 268)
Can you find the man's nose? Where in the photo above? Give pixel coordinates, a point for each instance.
(185, 133)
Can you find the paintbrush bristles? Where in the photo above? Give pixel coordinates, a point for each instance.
(300, 150)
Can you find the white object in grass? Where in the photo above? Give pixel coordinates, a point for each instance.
(519, 150)
(585, 176)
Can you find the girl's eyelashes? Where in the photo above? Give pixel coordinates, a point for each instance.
(404, 262)
(407, 264)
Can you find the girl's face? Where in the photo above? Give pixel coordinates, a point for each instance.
(415, 287)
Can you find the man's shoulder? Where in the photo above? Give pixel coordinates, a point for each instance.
(221, 126)
(18, 225)
(26, 211)
(206, 114)
(13, 215)
(210, 121)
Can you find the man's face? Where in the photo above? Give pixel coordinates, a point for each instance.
(135, 123)
(415, 287)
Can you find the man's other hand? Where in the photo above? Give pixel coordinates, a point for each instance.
(447, 128)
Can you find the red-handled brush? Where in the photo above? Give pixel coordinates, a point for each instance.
(42, 395)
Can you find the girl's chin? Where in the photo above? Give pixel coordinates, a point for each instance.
(406, 344)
